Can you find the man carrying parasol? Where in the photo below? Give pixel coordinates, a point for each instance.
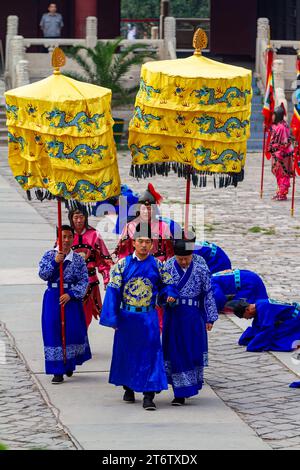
(62, 358)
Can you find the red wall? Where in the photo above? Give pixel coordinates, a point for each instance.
(233, 27)
(30, 13)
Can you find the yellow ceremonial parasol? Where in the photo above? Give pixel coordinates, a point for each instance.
(191, 115)
(61, 143)
(60, 137)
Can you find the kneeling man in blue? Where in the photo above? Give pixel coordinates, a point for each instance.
(187, 321)
(75, 285)
(129, 308)
(234, 284)
(275, 326)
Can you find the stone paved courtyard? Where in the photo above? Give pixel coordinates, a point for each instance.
(257, 234)
(26, 421)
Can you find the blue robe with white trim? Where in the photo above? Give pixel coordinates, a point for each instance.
(276, 327)
(237, 284)
(137, 359)
(77, 344)
(215, 258)
(184, 329)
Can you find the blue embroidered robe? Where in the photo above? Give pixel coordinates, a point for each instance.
(185, 345)
(77, 345)
(276, 327)
(137, 359)
(237, 284)
(215, 258)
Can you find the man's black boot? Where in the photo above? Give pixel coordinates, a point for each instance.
(148, 403)
(128, 395)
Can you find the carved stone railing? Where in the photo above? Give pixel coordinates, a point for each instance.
(22, 66)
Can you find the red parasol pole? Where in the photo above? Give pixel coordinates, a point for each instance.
(263, 165)
(187, 201)
(294, 180)
(61, 281)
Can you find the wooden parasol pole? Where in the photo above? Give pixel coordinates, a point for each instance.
(263, 165)
(187, 202)
(59, 60)
(61, 281)
(200, 42)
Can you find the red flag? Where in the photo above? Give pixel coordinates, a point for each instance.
(269, 102)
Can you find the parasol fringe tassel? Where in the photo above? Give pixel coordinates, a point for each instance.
(43, 194)
(199, 178)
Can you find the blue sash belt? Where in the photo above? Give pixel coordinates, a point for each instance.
(131, 308)
(296, 311)
(237, 279)
(188, 302)
(55, 285)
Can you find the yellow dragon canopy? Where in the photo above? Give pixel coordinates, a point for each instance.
(193, 115)
(60, 138)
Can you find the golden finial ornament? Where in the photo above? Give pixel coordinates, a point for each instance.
(200, 41)
(58, 60)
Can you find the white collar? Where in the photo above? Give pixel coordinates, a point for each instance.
(69, 257)
(135, 256)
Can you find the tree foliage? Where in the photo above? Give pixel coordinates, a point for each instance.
(106, 65)
(178, 8)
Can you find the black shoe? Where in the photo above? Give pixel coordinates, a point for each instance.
(129, 396)
(178, 401)
(57, 379)
(69, 373)
(148, 404)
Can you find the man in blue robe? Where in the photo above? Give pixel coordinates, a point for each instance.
(275, 326)
(215, 258)
(75, 285)
(234, 284)
(129, 308)
(187, 321)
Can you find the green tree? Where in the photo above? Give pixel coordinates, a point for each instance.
(190, 8)
(106, 65)
(151, 8)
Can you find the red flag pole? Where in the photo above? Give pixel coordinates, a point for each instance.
(294, 181)
(263, 165)
(61, 281)
(268, 109)
(187, 201)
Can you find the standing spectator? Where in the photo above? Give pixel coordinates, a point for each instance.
(52, 23)
(131, 32)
